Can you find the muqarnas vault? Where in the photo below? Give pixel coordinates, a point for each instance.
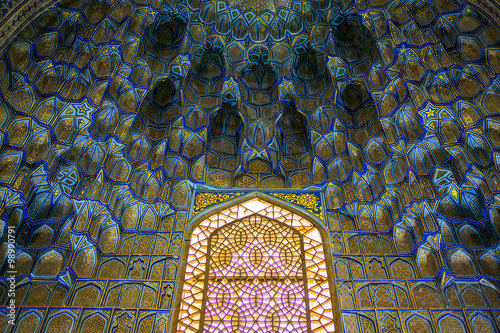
(250, 166)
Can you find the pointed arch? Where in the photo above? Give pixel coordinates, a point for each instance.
(259, 214)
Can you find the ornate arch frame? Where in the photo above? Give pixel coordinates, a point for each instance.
(194, 221)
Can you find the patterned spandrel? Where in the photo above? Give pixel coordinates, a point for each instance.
(256, 267)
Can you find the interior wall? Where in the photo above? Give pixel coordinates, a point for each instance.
(121, 121)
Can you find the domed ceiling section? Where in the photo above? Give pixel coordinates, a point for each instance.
(287, 95)
(242, 19)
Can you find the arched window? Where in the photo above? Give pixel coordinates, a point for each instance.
(256, 268)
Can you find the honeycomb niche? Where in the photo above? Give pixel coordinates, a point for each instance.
(249, 166)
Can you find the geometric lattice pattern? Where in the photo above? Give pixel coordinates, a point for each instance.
(256, 268)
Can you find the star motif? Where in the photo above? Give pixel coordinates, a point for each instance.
(429, 112)
(84, 109)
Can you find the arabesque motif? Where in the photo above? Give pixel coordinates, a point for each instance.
(309, 201)
(205, 199)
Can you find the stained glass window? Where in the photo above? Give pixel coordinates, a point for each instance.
(256, 268)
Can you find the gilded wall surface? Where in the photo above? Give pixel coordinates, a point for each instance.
(121, 121)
